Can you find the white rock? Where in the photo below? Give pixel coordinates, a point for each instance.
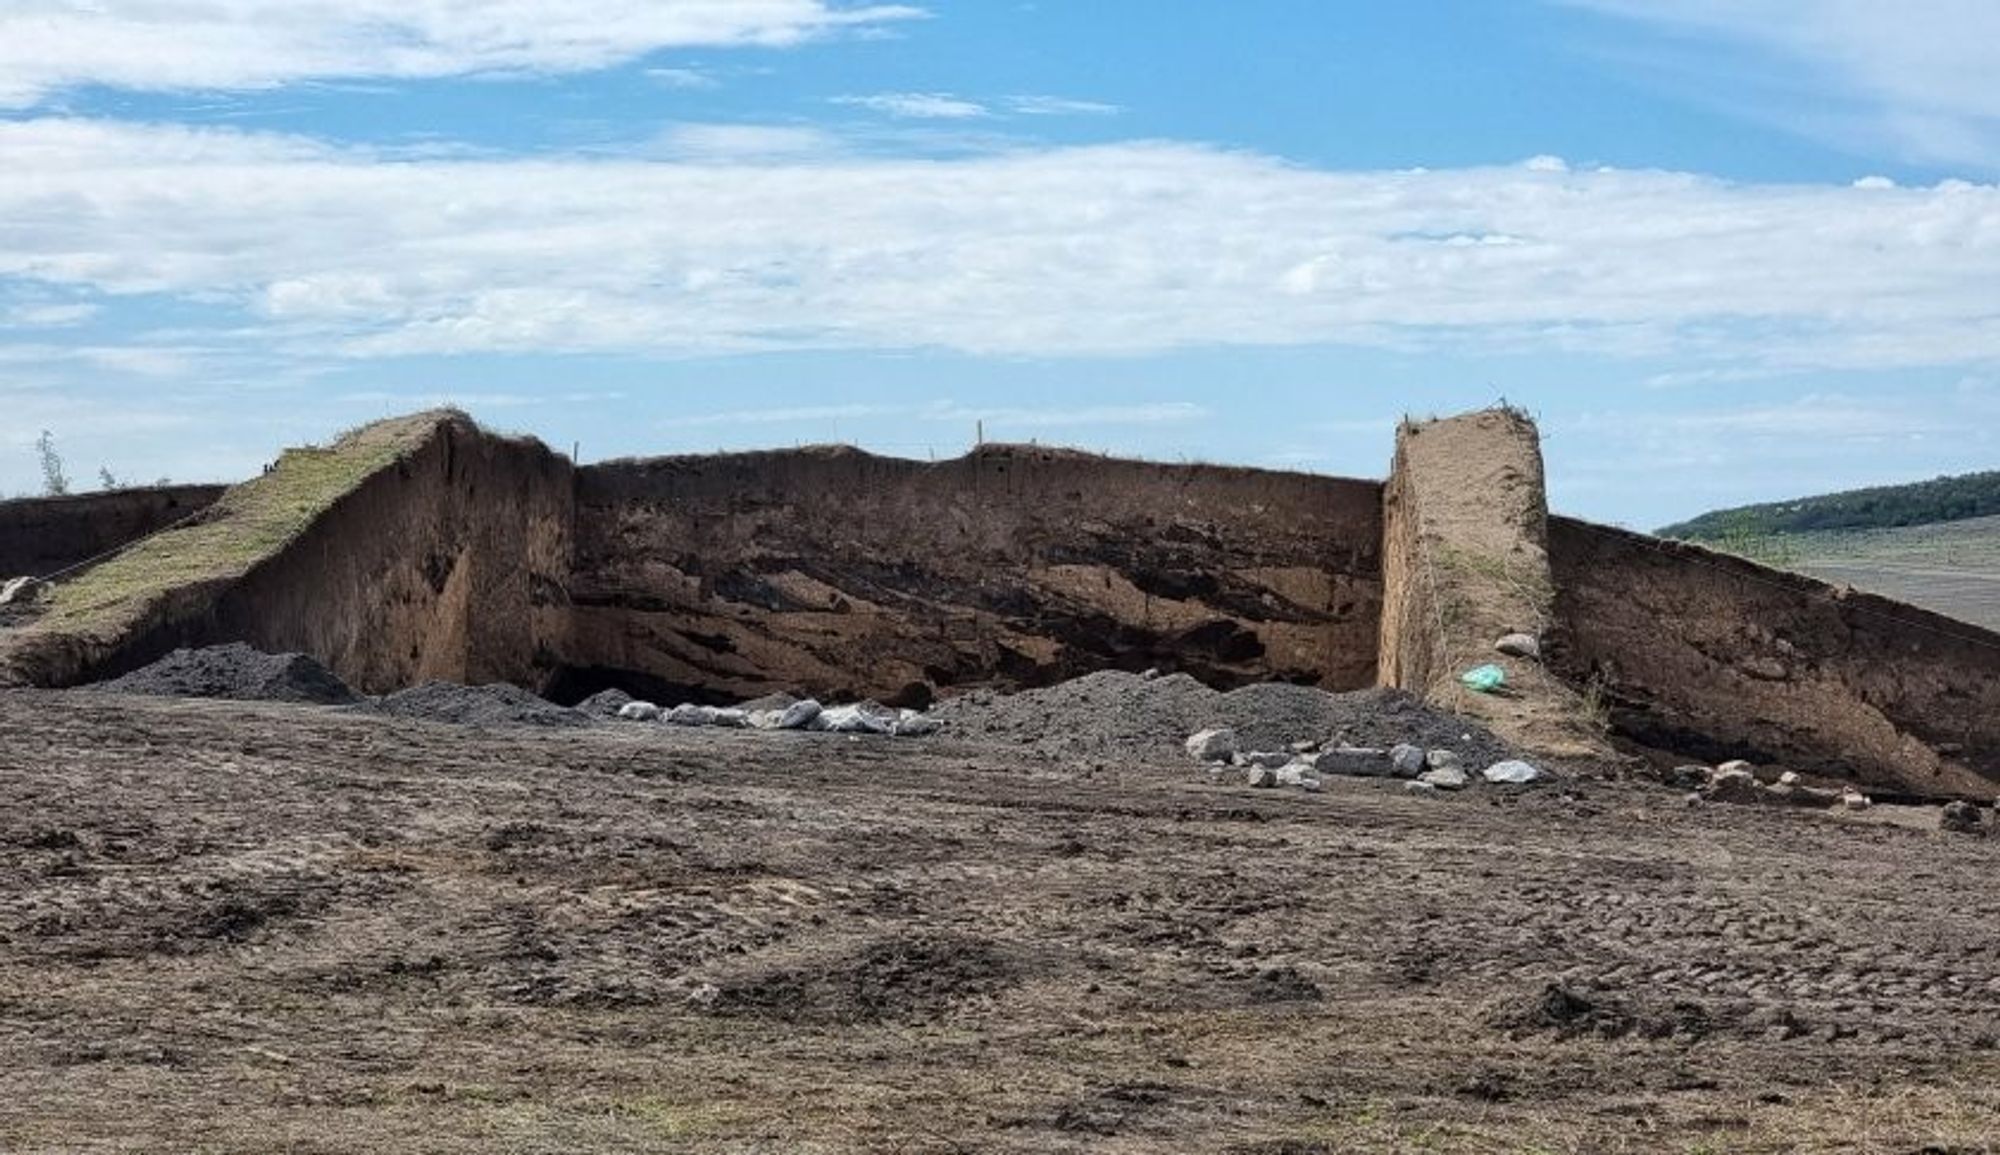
(912, 724)
(688, 714)
(1270, 759)
(1520, 646)
(639, 712)
(798, 715)
(1736, 767)
(1444, 760)
(1788, 778)
(1407, 761)
(854, 719)
(1853, 800)
(1419, 788)
(1262, 777)
(1444, 778)
(1300, 776)
(1512, 773)
(20, 591)
(1212, 746)
(731, 717)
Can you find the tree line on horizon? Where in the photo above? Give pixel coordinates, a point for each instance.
(1880, 507)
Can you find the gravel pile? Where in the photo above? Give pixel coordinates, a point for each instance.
(1119, 714)
(495, 705)
(238, 672)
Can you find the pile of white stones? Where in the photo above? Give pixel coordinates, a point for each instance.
(1304, 765)
(807, 714)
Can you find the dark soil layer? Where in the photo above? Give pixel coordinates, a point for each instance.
(232, 927)
(238, 672)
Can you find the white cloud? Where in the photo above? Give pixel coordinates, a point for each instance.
(1059, 106)
(47, 45)
(1917, 75)
(759, 238)
(744, 143)
(46, 316)
(683, 78)
(917, 105)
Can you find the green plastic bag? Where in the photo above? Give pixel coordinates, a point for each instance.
(1485, 679)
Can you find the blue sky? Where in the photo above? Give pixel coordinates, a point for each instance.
(1727, 250)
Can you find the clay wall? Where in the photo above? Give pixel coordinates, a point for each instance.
(42, 535)
(841, 573)
(1710, 655)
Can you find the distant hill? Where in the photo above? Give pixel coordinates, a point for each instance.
(1884, 507)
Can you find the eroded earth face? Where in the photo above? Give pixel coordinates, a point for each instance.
(240, 927)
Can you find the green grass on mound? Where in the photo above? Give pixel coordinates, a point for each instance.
(249, 524)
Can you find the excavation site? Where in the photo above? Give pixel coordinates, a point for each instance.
(432, 792)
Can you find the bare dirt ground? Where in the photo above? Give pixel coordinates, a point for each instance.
(255, 928)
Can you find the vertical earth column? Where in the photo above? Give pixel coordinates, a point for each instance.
(1465, 563)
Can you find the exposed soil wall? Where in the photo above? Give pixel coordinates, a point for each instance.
(41, 535)
(1464, 564)
(838, 572)
(450, 565)
(1707, 654)
(448, 562)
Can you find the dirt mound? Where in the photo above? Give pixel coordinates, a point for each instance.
(495, 705)
(900, 978)
(238, 672)
(1129, 715)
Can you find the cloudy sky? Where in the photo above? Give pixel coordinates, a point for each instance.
(1727, 250)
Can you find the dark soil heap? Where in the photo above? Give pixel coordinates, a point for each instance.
(238, 672)
(495, 705)
(1128, 715)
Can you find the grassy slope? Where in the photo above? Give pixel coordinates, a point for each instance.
(1952, 567)
(249, 524)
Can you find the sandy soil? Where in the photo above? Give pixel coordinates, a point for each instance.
(255, 928)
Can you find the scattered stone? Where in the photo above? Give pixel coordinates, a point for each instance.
(1419, 787)
(733, 717)
(1444, 760)
(1353, 761)
(1445, 778)
(1407, 761)
(1512, 773)
(1737, 767)
(1306, 747)
(1789, 778)
(1690, 777)
(1852, 799)
(1212, 745)
(639, 712)
(1739, 787)
(912, 724)
(21, 590)
(1150, 674)
(1300, 776)
(1520, 646)
(1961, 818)
(1270, 759)
(1262, 777)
